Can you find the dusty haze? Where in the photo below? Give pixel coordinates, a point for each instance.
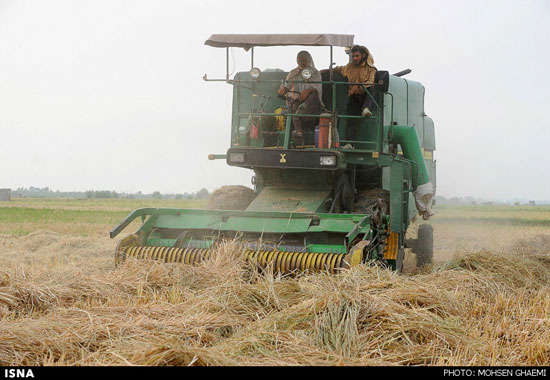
(109, 95)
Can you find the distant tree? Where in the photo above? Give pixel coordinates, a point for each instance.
(201, 194)
(441, 200)
(104, 194)
(157, 195)
(99, 194)
(179, 196)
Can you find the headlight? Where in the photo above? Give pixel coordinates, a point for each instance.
(255, 73)
(328, 160)
(306, 74)
(236, 157)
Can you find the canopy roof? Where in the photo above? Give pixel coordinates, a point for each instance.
(247, 41)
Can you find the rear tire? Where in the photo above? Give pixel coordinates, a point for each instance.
(230, 198)
(399, 260)
(425, 245)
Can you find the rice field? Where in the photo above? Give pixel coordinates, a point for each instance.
(486, 300)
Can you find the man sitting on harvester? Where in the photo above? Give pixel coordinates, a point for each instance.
(303, 97)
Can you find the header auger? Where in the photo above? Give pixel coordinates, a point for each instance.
(321, 202)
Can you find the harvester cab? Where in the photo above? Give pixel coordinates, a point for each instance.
(321, 202)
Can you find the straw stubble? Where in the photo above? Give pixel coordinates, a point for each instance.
(62, 302)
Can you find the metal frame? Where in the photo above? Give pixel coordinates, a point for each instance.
(331, 82)
(331, 63)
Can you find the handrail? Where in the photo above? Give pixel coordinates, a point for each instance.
(390, 129)
(370, 96)
(230, 81)
(255, 114)
(335, 115)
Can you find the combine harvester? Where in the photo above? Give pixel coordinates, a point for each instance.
(318, 206)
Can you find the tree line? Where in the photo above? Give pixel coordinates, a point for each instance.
(46, 192)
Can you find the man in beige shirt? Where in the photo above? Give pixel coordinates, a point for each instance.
(360, 70)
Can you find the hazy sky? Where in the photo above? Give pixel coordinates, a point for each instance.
(109, 94)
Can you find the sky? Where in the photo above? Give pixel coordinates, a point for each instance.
(108, 94)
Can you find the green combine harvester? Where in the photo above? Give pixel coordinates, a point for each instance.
(319, 205)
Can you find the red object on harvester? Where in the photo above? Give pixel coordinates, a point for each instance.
(254, 129)
(324, 127)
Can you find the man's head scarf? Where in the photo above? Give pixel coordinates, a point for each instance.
(294, 73)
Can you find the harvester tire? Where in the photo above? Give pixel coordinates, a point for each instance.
(230, 198)
(399, 260)
(424, 245)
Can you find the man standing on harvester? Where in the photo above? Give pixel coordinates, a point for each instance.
(360, 70)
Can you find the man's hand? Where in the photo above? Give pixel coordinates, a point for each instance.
(303, 95)
(281, 91)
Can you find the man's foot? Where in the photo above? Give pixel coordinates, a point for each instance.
(347, 146)
(366, 112)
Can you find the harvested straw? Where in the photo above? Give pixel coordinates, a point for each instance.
(64, 303)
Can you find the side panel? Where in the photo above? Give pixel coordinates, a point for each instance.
(429, 148)
(416, 108)
(429, 134)
(398, 98)
(406, 99)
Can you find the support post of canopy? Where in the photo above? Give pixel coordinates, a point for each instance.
(227, 63)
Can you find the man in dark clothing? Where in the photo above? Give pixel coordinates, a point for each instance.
(302, 97)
